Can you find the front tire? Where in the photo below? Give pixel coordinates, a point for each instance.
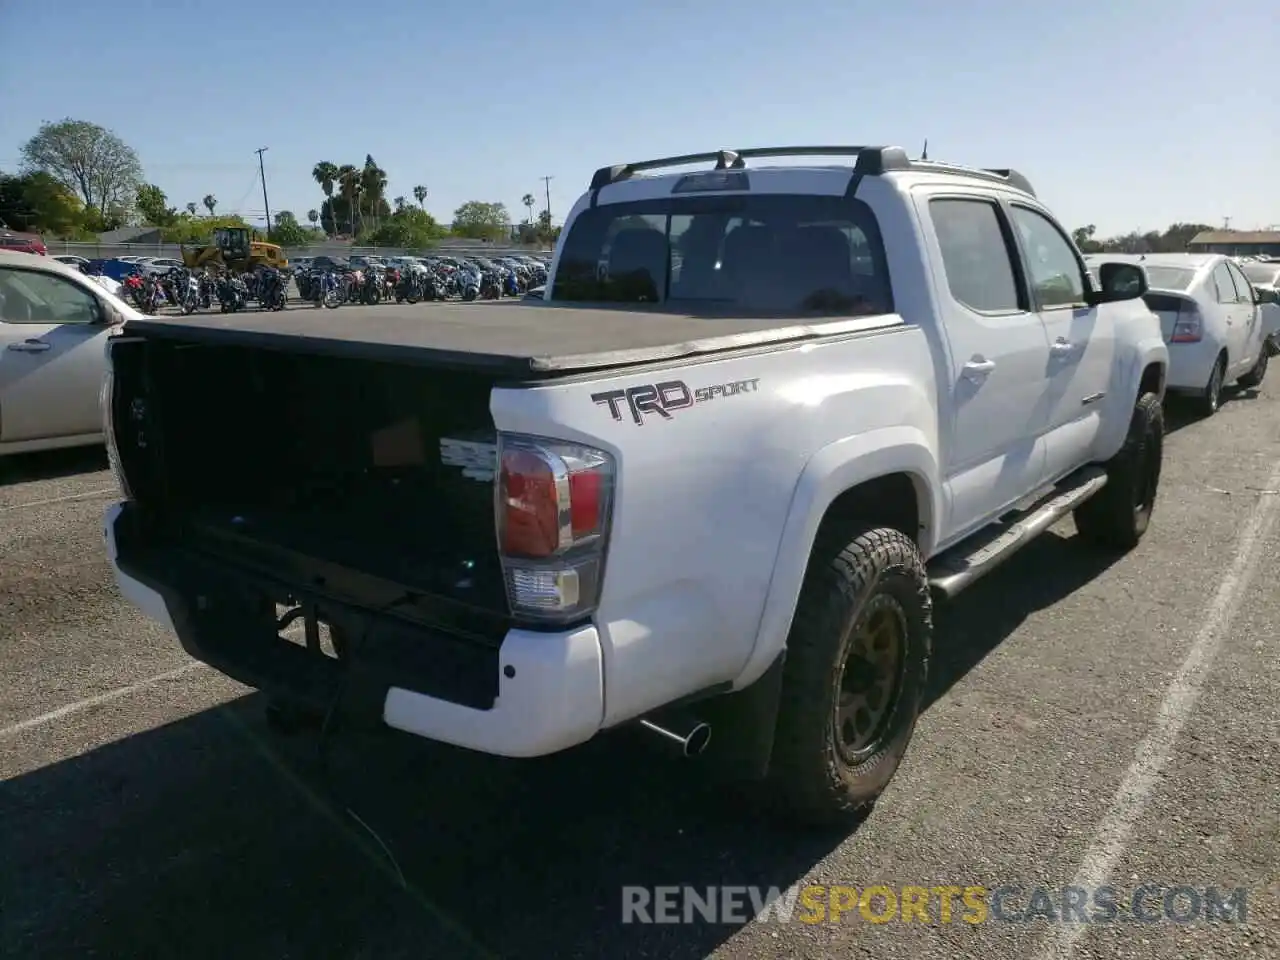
(1118, 515)
(854, 677)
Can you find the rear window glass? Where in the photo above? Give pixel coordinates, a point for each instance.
(747, 253)
(1261, 272)
(1170, 278)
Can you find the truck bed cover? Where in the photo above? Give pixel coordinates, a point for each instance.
(511, 338)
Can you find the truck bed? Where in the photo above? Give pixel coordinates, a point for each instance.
(514, 338)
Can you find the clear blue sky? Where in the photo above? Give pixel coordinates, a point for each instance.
(1128, 115)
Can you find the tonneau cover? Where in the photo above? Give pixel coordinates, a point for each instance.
(515, 338)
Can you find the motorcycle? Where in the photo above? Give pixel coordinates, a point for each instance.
(233, 294)
(186, 290)
(271, 290)
(468, 284)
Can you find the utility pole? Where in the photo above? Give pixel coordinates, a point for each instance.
(547, 183)
(262, 171)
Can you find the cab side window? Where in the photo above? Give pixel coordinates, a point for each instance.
(1244, 289)
(30, 296)
(1226, 288)
(975, 255)
(1054, 271)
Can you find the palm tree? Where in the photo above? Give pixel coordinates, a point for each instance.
(191, 209)
(357, 203)
(346, 177)
(400, 204)
(528, 201)
(326, 174)
(420, 194)
(313, 216)
(210, 202)
(373, 185)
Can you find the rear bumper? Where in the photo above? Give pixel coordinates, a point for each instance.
(546, 689)
(1190, 365)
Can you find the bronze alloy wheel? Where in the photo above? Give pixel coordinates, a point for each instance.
(870, 679)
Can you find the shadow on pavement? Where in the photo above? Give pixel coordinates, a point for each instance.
(211, 837)
(51, 465)
(1181, 410)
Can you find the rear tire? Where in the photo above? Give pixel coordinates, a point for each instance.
(1118, 515)
(854, 677)
(1211, 397)
(1254, 377)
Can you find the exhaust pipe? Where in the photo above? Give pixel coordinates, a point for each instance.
(688, 735)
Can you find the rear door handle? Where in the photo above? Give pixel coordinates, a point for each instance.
(30, 346)
(977, 369)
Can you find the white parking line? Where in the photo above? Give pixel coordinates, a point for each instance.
(81, 705)
(70, 496)
(1154, 752)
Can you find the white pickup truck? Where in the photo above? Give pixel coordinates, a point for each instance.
(710, 485)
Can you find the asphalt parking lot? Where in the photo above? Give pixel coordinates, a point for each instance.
(1090, 721)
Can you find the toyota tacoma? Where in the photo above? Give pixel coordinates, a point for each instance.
(710, 485)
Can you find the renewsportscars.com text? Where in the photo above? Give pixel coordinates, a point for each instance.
(971, 904)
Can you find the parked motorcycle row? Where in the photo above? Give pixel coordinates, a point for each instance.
(331, 283)
(191, 290)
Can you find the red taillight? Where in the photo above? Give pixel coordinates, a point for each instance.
(554, 502)
(584, 502)
(530, 520)
(1188, 327)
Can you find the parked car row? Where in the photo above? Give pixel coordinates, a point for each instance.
(1220, 328)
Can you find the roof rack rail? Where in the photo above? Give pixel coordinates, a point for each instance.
(1004, 175)
(871, 161)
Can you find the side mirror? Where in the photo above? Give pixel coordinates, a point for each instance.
(1119, 281)
(1264, 295)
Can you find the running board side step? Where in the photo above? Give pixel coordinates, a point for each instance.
(973, 558)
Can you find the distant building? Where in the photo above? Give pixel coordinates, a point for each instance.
(1237, 243)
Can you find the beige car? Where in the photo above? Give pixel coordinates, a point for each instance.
(54, 325)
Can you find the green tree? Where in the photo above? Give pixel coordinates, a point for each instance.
(1083, 236)
(154, 206)
(348, 178)
(528, 201)
(325, 174)
(409, 227)
(1176, 236)
(288, 232)
(39, 203)
(548, 234)
(314, 217)
(210, 203)
(191, 209)
(198, 230)
(88, 159)
(420, 194)
(477, 220)
(373, 188)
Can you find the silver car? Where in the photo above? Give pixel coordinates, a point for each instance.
(54, 325)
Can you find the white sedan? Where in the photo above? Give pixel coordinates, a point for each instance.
(54, 325)
(1209, 315)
